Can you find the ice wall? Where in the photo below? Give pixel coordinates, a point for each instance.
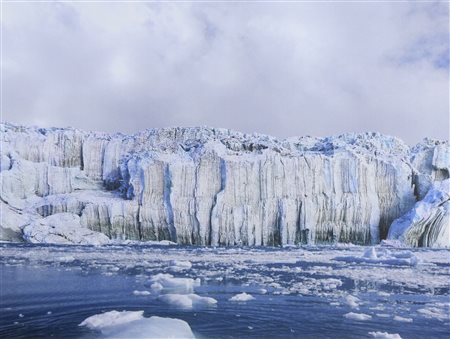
(210, 186)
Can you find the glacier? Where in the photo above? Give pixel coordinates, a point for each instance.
(208, 186)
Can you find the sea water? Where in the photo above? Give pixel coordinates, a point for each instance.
(308, 292)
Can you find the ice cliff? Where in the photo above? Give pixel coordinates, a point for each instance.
(209, 186)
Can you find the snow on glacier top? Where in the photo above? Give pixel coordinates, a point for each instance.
(192, 140)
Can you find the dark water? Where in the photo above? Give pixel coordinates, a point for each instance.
(51, 300)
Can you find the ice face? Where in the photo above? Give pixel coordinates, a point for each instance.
(208, 186)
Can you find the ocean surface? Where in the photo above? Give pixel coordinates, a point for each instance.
(298, 292)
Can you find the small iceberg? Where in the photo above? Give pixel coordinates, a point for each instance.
(133, 324)
(242, 297)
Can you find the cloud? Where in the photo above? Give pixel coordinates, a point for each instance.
(278, 68)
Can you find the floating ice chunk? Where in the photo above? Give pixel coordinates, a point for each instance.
(358, 316)
(136, 292)
(242, 297)
(157, 287)
(112, 318)
(401, 319)
(383, 294)
(67, 258)
(188, 301)
(132, 324)
(352, 301)
(434, 312)
(180, 265)
(167, 282)
(385, 335)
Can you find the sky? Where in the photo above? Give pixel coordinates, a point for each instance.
(279, 68)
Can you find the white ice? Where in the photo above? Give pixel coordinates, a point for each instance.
(242, 297)
(180, 265)
(203, 185)
(136, 292)
(62, 228)
(168, 283)
(357, 316)
(385, 335)
(188, 301)
(132, 324)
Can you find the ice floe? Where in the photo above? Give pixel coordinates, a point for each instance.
(385, 335)
(180, 265)
(133, 324)
(358, 316)
(352, 301)
(188, 301)
(382, 256)
(136, 292)
(168, 283)
(242, 297)
(403, 319)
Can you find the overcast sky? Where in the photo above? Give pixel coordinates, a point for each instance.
(278, 68)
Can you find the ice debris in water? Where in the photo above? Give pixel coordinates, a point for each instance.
(352, 301)
(136, 292)
(385, 335)
(434, 312)
(358, 316)
(188, 301)
(382, 256)
(242, 297)
(132, 324)
(402, 319)
(167, 283)
(180, 265)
